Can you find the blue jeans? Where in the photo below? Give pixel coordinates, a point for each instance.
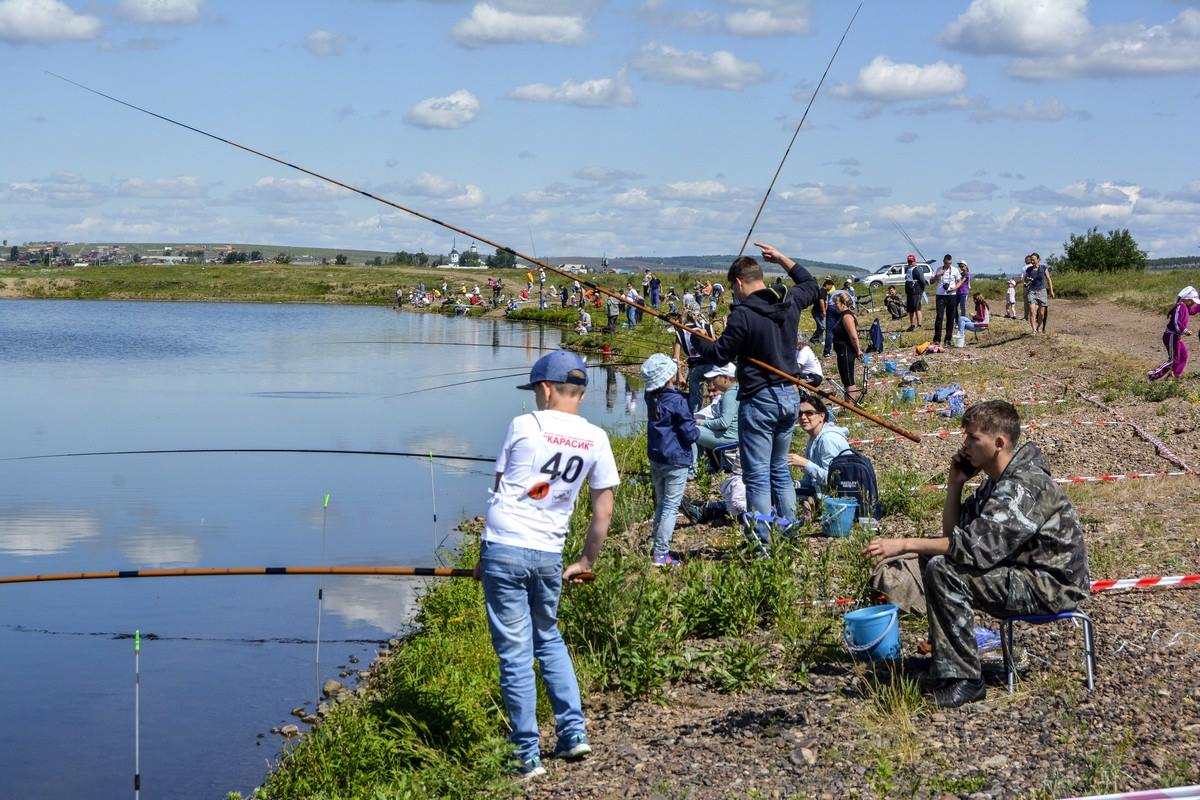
(669, 482)
(830, 321)
(962, 305)
(966, 324)
(631, 315)
(521, 588)
(765, 425)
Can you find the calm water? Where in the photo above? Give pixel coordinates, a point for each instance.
(123, 376)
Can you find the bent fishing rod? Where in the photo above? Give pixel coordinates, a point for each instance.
(853, 407)
(788, 151)
(419, 572)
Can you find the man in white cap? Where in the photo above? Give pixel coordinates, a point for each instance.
(1186, 304)
(544, 460)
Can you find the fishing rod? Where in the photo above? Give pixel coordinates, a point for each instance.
(786, 152)
(419, 572)
(302, 450)
(520, 374)
(908, 239)
(850, 406)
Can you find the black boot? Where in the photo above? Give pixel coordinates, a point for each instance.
(957, 691)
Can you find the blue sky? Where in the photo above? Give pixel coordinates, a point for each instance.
(987, 128)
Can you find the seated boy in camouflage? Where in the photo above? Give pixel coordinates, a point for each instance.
(1014, 547)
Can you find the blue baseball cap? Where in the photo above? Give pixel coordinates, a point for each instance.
(557, 367)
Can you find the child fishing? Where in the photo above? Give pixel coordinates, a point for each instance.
(544, 460)
(670, 432)
(1186, 304)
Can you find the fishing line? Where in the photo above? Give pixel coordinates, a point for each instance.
(433, 504)
(908, 239)
(154, 637)
(485, 240)
(137, 713)
(321, 599)
(521, 374)
(779, 169)
(305, 451)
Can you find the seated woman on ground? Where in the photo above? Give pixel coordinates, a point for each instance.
(808, 366)
(825, 442)
(980, 320)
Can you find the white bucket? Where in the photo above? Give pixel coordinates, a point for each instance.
(959, 340)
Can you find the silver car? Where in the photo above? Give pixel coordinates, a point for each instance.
(893, 274)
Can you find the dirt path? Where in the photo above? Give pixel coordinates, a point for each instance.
(825, 736)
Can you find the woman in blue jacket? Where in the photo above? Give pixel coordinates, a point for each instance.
(670, 432)
(825, 442)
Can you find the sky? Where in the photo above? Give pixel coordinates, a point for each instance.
(984, 128)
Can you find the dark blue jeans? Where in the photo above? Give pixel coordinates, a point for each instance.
(765, 425)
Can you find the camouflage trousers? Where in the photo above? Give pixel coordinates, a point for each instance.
(953, 593)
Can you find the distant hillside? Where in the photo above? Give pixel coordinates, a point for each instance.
(1178, 262)
(713, 263)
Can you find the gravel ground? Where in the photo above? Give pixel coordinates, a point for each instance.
(825, 737)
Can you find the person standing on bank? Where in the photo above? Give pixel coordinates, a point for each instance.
(1041, 292)
(763, 326)
(947, 279)
(670, 433)
(914, 284)
(845, 343)
(546, 457)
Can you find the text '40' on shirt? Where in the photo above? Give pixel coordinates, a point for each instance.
(544, 461)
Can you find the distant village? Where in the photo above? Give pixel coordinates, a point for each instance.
(72, 254)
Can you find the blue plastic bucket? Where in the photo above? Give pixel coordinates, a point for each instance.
(873, 634)
(908, 394)
(838, 516)
(890, 367)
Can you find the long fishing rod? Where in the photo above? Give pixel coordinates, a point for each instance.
(420, 572)
(908, 239)
(786, 152)
(495, 378)
(850, 406)
(304, 450)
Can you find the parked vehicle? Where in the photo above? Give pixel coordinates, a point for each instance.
(893, 274)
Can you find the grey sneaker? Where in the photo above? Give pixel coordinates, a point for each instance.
(528, 770)
(574, 745)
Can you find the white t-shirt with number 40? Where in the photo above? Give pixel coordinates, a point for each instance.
(544, 461)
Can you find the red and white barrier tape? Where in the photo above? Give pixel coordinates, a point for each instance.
(1095, 587)
(1173, 793)
(1145, 583)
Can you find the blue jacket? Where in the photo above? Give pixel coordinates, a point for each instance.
(670, 428)
(833, 441)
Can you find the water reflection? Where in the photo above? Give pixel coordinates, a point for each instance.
(45, 533)
(155, 548)
(386, 603)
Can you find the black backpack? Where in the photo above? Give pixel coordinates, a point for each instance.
(852, 475)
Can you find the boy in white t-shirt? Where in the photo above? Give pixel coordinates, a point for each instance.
(545, 459)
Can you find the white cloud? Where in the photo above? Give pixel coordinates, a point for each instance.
(809, 195)
(720, 70)
(182, 187)
(447, 192)
(44, 21)
(694, 190)
(325, 43)
(1123, 50)
(491, 25)
(1018, 26)
(271, 189)
(971, 192)
(1052, 110)
(45, 533)
(901, 212)
(605, 175)
(598, 93)
(162, 12)
(1082, 194)
(452, 111)
(769, 18)
(634, 199)
(884, 81)
(59, 190)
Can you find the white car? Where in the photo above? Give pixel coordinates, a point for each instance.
(893, 274)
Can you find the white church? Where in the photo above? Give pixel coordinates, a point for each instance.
(456, 258)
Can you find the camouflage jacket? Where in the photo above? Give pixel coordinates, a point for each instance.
(1025, 520)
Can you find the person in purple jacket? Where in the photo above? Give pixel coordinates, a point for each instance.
(670, 433)
(1186, 304)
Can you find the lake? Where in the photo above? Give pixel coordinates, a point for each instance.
(232, 655)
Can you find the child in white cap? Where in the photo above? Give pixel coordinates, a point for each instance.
(1187, 303)
(1010, 301)
(670, 433)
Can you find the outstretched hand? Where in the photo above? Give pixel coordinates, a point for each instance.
(878, 550)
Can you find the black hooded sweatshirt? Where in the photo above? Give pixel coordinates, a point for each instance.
(763, 326)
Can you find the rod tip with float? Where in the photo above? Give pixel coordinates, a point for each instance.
(325, 504)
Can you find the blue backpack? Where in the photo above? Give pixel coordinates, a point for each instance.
(876, 337)
(852, 475)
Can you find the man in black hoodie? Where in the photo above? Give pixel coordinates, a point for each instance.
(762, 325)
